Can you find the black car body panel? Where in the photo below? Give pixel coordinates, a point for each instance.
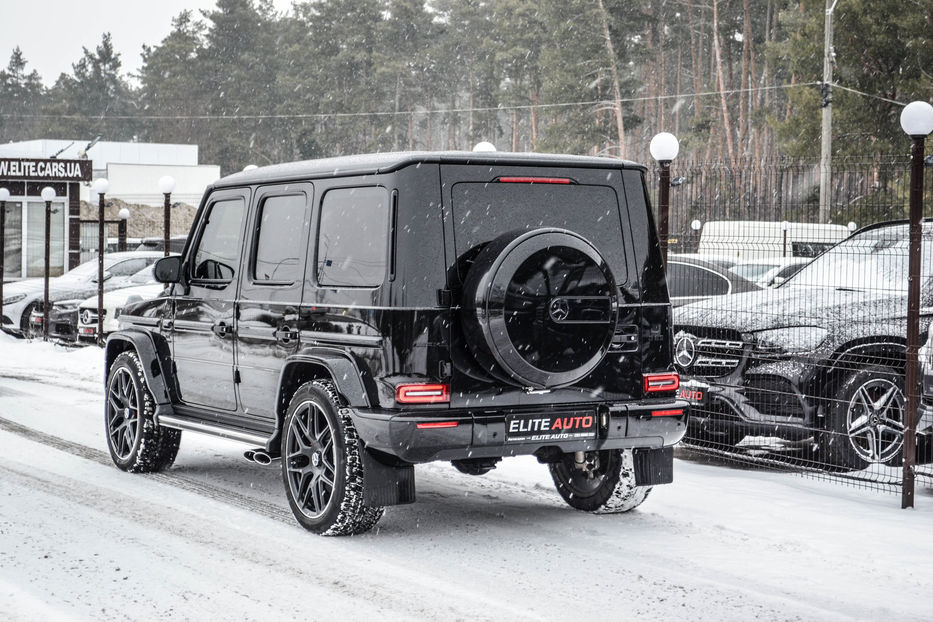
(230, 352)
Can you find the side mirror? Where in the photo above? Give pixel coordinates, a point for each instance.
(107, 276)
(168, 269)
(778, 280)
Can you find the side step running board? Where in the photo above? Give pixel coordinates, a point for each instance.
(243, 436)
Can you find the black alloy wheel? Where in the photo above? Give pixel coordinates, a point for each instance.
(136, 443)
(322, 467)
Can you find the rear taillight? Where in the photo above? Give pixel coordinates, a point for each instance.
(436, 425)
(535, 180)
(422, 393)
(656, 383)
(673, 412)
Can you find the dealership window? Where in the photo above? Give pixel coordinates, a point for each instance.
(35, 239)
(13, 240)
(353, 240)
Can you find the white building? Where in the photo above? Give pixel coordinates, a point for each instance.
(133, 169)
(68, 167)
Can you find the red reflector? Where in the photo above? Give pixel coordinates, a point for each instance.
(662, 382)
(422, 393)
(535, 180)
(437, 424)
(667, 413)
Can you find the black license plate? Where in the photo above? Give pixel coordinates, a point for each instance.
(694, 392)
(563, 427)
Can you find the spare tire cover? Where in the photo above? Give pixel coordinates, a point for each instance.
(540, 306)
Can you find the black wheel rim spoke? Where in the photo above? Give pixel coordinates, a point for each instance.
(310, 459)
(122, 413)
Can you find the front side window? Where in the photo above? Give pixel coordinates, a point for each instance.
(279, 248)
(353, 238)
(219, 247)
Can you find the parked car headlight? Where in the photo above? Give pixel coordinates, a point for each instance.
(790, 340)
(13, 299)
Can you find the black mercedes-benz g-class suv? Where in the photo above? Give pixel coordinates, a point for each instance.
(358, 315)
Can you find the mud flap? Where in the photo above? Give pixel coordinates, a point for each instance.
(653, 467)
(385, 484)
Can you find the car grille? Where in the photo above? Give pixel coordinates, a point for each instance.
(709, 352)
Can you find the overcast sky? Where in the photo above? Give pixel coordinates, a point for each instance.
(51, 33)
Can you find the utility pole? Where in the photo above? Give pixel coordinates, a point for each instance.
(826, 103)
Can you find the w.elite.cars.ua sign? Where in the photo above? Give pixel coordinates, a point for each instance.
(45, 170)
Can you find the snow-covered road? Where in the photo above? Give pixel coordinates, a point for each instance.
(213, 537)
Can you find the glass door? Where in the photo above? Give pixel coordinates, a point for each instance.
(35, 239)
(13, 241)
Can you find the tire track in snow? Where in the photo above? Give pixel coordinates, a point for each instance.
(215, 493)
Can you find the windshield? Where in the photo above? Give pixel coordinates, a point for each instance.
(751, 271)
(876, 260)
(144, 276)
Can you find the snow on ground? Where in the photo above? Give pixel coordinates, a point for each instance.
(213, 537)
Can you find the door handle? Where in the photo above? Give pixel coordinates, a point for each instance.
(168, 324)
(220, 329)
(285, 334)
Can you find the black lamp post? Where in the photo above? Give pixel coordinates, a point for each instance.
(664, 148)
(917, 122)
(166, 186)
(100, 187)
(48, 194)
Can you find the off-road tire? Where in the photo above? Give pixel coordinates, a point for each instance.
(611, 490)
(343, 512)
(136, 443)
(841, 445)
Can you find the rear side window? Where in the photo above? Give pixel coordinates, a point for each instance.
(353, 239)
(219, 247)
(687, 280)
(279, 247)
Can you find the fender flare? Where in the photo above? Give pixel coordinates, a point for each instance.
(154, 355)
(351, 381)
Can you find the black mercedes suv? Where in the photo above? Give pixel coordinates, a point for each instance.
(354, 316)
(820, 358)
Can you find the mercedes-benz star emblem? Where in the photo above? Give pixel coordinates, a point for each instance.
(559, 309)
(685, 350)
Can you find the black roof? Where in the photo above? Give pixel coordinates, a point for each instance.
(388, 162)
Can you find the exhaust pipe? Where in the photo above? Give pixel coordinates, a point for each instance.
(259, 456)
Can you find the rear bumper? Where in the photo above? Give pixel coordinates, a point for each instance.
(475, 434)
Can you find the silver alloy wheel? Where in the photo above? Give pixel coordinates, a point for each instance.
(310, 459)
(122, 413)
(875, 420)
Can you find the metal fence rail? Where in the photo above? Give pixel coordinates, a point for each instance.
(792, 347)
